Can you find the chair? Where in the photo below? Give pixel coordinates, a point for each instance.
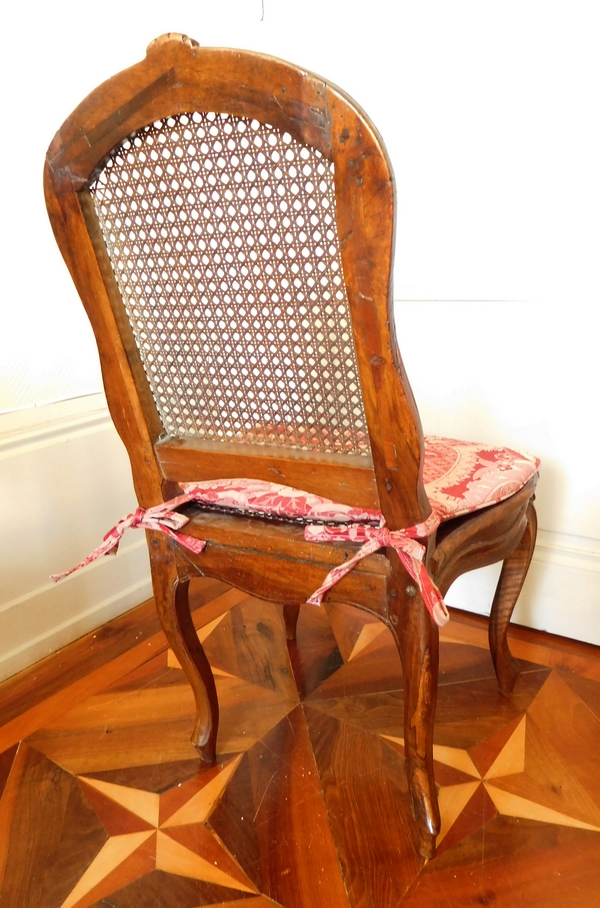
(228, 220)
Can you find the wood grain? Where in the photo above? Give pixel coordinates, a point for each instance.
(348, 478)
(299, 859)
(308, 803)
(372, 823)
(512, 578)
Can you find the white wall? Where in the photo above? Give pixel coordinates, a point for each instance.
(489, 112)
(506, 372)
(64, 481)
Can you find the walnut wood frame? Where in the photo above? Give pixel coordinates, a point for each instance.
(272, 560)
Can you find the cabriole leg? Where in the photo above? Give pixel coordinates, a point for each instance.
(172, 603)
(512, 577)
(418, 642)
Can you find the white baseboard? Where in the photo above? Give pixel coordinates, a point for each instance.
(54, 615)
(32, 425)
(64, 481)
(561, 594)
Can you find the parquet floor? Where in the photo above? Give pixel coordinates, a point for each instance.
(104, 804)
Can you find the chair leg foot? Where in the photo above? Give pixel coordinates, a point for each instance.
(208, 751)
(512, 577)
(290, 616)
(172, 603)
(426, 845)
(418, 642)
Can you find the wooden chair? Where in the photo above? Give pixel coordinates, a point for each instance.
(228, 220)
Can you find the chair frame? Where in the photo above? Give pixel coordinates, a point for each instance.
(266, 559)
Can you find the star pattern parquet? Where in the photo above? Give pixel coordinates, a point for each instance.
(106, 805)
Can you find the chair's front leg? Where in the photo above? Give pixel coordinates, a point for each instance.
(512, 578)
(172, 604)
(418, 642)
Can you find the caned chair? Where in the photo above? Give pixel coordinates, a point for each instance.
(228, 220)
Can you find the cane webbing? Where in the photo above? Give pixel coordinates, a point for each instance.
(222, 237)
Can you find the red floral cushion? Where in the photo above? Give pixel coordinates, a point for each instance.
(459, 477)
(269, 499)
(462, 476)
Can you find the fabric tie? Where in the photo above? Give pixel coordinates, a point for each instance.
(165, 518)
(410, 552)
(161, 517)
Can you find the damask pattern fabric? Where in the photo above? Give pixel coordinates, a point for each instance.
(269, 499)
(460, 477)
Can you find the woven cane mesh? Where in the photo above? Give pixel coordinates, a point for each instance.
(222, 237)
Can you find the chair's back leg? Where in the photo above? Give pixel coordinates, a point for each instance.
(172, 604)
(417, 638)
(512, 577)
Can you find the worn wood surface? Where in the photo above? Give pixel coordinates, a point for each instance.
(418, 643)
(479, 539)
(171, 594)
(271, 560)
(347, 478)
(512, 577)
(105, 802)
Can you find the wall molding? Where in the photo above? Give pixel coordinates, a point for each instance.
(45, 589)
(39, 426)
(578, 552)
(103, 588)
(561, 593)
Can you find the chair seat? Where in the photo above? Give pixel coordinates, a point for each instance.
(459, 476)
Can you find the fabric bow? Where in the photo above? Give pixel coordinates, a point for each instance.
(410, 552)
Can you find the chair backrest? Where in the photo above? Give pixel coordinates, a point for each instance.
(228, 220)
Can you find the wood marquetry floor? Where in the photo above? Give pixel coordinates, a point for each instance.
(104, 803)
